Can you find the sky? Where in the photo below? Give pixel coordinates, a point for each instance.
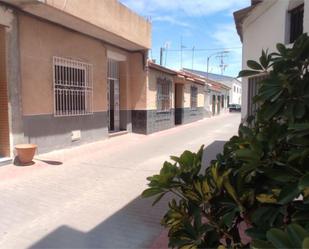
(203, 27)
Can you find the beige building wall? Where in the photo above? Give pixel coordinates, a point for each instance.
(138, 81)
(111, 16)
(39, 42)
(152, 88)
(187, 95)
(200, 96)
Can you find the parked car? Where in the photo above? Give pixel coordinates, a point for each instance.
(235, 108)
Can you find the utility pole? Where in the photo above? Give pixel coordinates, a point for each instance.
(161, 56)
(166, 47)
(193, 50)
(223, 66)
(181, 52)
(208, 58)
(181, 49)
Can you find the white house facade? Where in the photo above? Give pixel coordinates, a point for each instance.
(261, 26)
(235, 92)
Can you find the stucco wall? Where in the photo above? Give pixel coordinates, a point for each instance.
(263, 29)
(235, 97)
(109, 15)
(39, 42)
(138, 82)
(152, 88)
(200, 96)
(187, 95)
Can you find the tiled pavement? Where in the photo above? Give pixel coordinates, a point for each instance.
(88, 197)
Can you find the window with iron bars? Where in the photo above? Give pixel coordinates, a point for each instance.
(164, 95)
(296, 22)
(193, 98)
(253, 89)
(73, 87)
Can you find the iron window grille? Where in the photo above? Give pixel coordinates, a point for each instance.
(73, 87)
(296, 22)
(193, 97)
(253, 89)
(164, 98)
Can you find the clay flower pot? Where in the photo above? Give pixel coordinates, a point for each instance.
(25, 152)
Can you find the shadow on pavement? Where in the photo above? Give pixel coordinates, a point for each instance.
(50, 162)
(211, 151)
(137, 225)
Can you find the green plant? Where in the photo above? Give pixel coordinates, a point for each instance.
(260, 183)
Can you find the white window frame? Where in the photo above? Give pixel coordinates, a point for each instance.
(161, 82)
(73, 93)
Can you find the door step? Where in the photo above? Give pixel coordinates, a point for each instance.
(117, 133)
(5, 161)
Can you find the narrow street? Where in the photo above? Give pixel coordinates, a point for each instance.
(88, 196)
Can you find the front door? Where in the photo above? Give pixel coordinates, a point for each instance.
(219, 105)
(113, 96)
(213, 104)
(178, 104)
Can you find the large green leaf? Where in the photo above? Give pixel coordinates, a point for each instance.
(260, 244)
(304, 182)
(296, 234)
(278, 238)
(256, 234)
(305, 243)
(254, 65)
(288, 193)
(247, 73)
(151, 192)
(280, 175)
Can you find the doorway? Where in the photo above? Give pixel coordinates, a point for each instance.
(113, 96)
(218, 104)
(178, 104)
(213, 104)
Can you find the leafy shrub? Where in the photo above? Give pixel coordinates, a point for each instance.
(260, 183)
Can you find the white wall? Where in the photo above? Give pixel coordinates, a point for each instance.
(235, 96)
(263, 29)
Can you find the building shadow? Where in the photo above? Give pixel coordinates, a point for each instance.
(50, 162)
(211, 151)
(137, 225)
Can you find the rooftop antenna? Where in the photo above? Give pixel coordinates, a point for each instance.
(166, 47)
(193, 50)
(222, 65)
(181, 48)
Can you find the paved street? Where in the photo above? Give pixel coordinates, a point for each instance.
(88, 197)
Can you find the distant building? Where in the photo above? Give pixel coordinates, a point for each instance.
(172, 98)
(261, 26)
(233, 83)
(219, 91)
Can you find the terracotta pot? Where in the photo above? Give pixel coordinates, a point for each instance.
(25, 152)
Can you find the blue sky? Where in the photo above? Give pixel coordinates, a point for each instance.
(203, 24)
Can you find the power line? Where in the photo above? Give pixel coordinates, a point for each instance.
(202, 49)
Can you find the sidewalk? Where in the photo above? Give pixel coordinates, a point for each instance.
(88, 196)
